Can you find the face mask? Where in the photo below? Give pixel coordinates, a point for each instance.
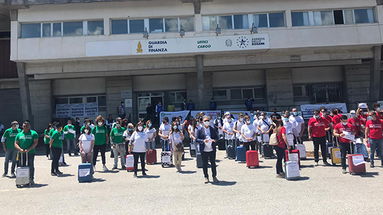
(118, 126)
(70, 123)
(248, 122)
(100, 123)
(369, 118)
(353, 115)
(240, 119)
(261, 117)
(285, 120)
(130, 129)
(378, 109)
(344, 123)
(88, 123)
(295, 113)
(17, 126)
(316, 116)
(229, 120)
(140, 128)
(86, 131)
(149, 125)
(175, 127)
(206, 123)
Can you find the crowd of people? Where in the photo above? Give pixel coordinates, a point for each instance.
(203, 133)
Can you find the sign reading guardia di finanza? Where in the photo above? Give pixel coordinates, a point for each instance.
(177, 45)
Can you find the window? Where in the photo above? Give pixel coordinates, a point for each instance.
(348, 17)
(364, 16)
(260, 93)
(187, 23)
(171, 25)
(247, 93)
(77, 100)
(225, 22)
(276, 20)
(235, 94)
(312, 18)
(73, 28)
(319, 93)
(338, 17)
(57, 29)
(96, 27)
(220, 95)
(241, 21)
(156, 25)
(46, 29)
(92, 99)
(119, 26)
(177, 97)
(260, 21)
(30, 30)
(61, 100)
(209, 23)
(136, 26)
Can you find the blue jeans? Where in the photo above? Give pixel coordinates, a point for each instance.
(10, 155)
(165, 145)
(376, 144)
(360, 148)
(151, 145)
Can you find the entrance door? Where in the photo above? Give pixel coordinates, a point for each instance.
(148, 98)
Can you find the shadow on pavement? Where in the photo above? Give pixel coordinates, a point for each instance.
(109, 171)
(188, 172)
(65, 175)
(39, 185)
(307, 166)
(368, 174)
(149, 176)
(224, 183)
(261, 167)
(98, 180)
(303, 178)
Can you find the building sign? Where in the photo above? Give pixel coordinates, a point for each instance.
(177, 45)
(308, 110)
(89, 110)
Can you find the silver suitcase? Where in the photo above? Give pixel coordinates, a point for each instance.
(22, 173)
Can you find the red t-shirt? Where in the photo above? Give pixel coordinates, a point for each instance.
(318, 126)
(328, 118)
(379, 115)
(363, 119)
(336, 119)
(339, 128)
(357, 124)
(281, 141)
(375, 129)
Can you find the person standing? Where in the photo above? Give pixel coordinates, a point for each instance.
(86, 144)
(163, 132)
(100, 132)
(69, 136)
(138, 147)
(228, 130)
(8, 142)
(118, 144)
(207, 138)
(299, 126)
(56, 145)
(374, 135)
(289, 128)
(317, 128)
(237, 129)
(280, 131)
(152, 134)
(360, 148)
(26, 142)
(249, 104)
(175, 138)
(248, 132)
(339, 131)
(159, 109)
(121, 110)
(47, 138)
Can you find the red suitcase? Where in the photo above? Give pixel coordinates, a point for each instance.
(294, 156)
(252, 159)
(151, 157)
(356, 164)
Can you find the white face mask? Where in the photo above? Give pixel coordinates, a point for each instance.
(344, 123)
(175, 127)
(17, 126)
(206, 123)
(248, 122)
(86, 131)
(100, 123)
(149, 125)
(140, 128)
(261, 117)
(241, 119)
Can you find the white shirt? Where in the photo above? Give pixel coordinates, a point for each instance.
(265, 124)
(165, 130)
(208, 145)
(150, 133)
(229, 128)
(138, 139)
(239, 126)
(248, 131)
(297, 121)
(86, 141)
(175, 138)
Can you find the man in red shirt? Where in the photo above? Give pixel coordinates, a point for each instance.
(336, 117)
(317, 128)
(374, 133)
(340, 131)
(354, 120)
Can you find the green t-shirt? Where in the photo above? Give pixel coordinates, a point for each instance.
(58, 138)
(51, 132)
(117, 135)
(9, 136)
(69, 132)
(26, 139)
(82, 129)
(99, 133)
(46, 140)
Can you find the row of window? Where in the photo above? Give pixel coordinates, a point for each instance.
(209, 23)
(319, 93)
(239, 93)
(100, 100)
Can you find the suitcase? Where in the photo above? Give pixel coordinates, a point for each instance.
(151, 157)
(230, 151)
(192, 149)
(241, 154)
(329, 146)
(166, 159)
(22, 172)
(221, 144)
(356, 164)
(129, 163)
(252, 159)
(293, 155)
(199, 160)
(85, 172)
(267, 151)
(302, 151)
(335, 156)
(292, 170)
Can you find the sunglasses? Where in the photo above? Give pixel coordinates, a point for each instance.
(206, 120)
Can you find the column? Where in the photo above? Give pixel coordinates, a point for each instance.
(24, 92)
(375, 74)
(200, 81)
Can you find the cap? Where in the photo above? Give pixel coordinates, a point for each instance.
(14, 123)
(352, 112)
(362, 105)
(227, 113)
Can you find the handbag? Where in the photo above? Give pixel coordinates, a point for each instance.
(274, 138)
(179, 146)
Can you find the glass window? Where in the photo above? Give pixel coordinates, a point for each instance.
(235, 94)
(136, 26)
(260, 20)
(364, 16)
(247, 93)
(297, 91)
(57, 29)
(171, 25)
(276, 19)
(348, 17)
(119, 26)
(300, 18)
(61, 101)
(225, 22)
(241, 21)
(209, 23)
(187, 23)
(47, 30)
(73, 28)
(323, 18)
(77, 100)
(91, 99)
(220, 94)
(102, 101)
(260, 93)
(338, 17)
(156, 25)
(96, 27)
(30, 30)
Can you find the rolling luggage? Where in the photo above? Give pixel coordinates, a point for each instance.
(293, 155)
(302, 151)
(192, 149)
(151, 157)
(267, 151)
(241, 154)
(292, 170)
(230, 152)
(166, 159)
(335, 156)
(252, 159)
(356, 164)
(198, 157)
(329, 146)
(129, 162)
(85, 172)
(221, 144)
(22, 171)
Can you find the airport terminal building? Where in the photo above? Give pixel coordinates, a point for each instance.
(81, 58)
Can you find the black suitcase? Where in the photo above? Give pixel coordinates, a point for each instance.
(221, 144)
(230, 151)
(199, 160)
(267, 151)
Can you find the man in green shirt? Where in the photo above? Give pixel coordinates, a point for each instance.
(118, 144)
(8, 141)
(69, 136)
(100, 132)
(26, 142)
(56, 145)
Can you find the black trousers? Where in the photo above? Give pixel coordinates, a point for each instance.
(96, 149)
(206, 157)
(56, 153)
(141, 156)
(47, 150)
(320, 142)
(344, 150)
(280, 156)
(249, 145)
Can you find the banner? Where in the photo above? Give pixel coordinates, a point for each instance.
(170, 115)
(87, 110)
(212, 113)
(308, 110)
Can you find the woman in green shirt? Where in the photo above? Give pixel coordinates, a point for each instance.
(100, 132)
(56, 145)
(47, 138)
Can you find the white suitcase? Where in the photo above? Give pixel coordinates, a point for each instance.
(302, 151)
(129, 162)
(22, 173)
(292, 170)
(166, 159)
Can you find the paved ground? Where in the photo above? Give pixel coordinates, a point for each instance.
(322, 190)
